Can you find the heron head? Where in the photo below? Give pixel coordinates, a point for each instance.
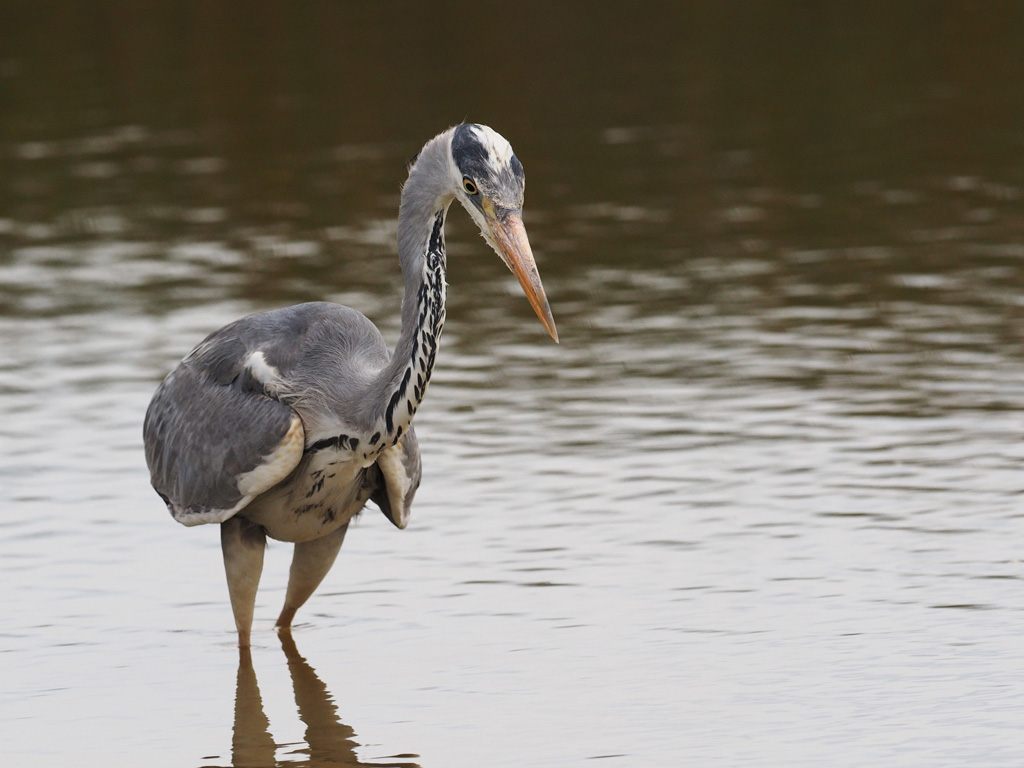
(490, 182)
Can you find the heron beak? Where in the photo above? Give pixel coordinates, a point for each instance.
(513, 247)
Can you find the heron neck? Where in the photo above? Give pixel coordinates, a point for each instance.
(403, 383)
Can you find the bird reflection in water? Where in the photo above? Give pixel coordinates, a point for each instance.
(329, 742)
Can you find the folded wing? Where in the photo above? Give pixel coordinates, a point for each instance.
(214, 441)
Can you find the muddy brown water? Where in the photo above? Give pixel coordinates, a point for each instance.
(760, 507)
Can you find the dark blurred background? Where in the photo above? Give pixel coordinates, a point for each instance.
(259, 110)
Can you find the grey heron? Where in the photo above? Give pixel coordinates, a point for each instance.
(286, 422)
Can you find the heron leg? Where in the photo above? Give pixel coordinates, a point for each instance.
(242, 543)
(310, 563)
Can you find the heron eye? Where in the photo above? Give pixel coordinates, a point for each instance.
(468, 185)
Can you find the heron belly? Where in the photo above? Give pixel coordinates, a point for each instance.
(320, 497)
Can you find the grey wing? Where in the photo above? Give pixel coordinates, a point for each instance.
(400, 471)
(213, 440)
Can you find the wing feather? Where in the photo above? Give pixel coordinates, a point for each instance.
(212, 447)
(400, 470)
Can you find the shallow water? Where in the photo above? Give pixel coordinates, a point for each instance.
(760, 507)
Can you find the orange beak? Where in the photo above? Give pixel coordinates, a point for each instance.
(514, 249)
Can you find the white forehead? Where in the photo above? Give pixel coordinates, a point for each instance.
(499, 151)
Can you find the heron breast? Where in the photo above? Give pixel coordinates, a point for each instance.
(326, 491)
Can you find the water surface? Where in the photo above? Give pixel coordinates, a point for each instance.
(760, 507)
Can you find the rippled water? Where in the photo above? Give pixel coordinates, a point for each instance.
(761, 506)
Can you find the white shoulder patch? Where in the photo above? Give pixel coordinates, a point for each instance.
(262, 371)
